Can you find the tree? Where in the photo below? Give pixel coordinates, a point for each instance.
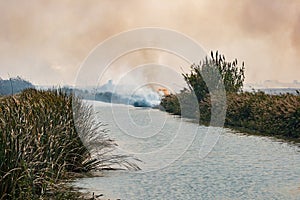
(213, 74)
(14, 85)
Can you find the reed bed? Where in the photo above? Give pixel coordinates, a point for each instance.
(253, 112)
(46, 138)
(274, 115)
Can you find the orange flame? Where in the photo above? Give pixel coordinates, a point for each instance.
(163, 90)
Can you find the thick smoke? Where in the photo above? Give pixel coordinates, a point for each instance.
(53, 38)
(138, 96)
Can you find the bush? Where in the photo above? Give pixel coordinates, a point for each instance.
(215, 74)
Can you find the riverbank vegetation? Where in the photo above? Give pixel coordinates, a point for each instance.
(45, 140)
(253, 112)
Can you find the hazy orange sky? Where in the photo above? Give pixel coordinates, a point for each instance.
(46, 41)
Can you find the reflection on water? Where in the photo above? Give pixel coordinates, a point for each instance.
(238, 167)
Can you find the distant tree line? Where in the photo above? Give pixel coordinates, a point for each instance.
(14, 85)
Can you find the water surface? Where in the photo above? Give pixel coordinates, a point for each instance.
(181, 160)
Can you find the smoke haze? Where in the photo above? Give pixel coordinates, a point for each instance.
(46, 41)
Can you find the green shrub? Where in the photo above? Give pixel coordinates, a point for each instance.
(215, 74)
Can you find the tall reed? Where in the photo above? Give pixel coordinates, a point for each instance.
(255, 112)
(44, 141)
(276, 115)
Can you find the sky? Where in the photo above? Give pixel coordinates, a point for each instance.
(46, 41)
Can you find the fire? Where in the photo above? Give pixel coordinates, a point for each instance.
(163, 90)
